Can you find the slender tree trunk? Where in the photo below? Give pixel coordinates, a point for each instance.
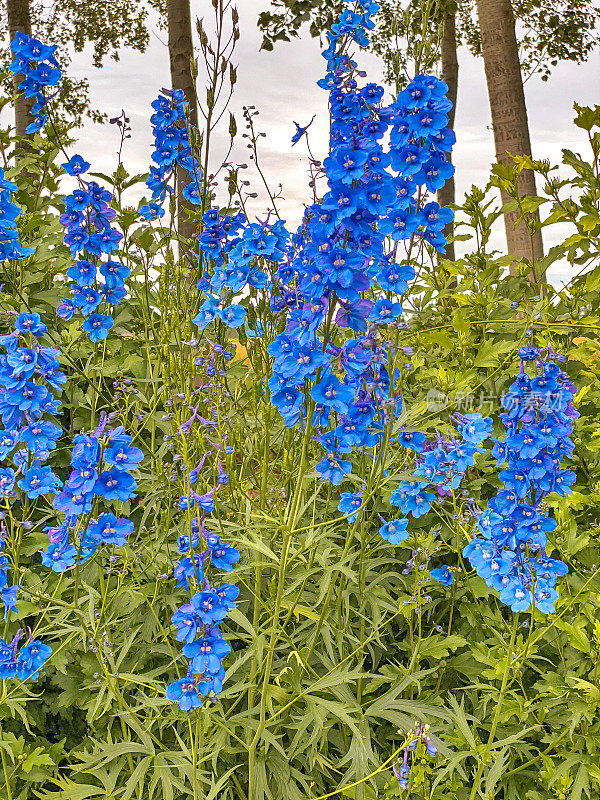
(19, 19)
(181, 53)
(446, 194)
(509, 112)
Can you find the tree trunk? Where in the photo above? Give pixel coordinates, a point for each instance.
(509, 112)
(446, 194)
(19, 19)
(181, 53)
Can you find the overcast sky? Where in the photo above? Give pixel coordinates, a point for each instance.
(281, 85)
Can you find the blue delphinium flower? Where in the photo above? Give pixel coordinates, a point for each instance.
(98, 326)
(395, 530)
(31, 659)
(76, 165)
(185, 692)
(350, 504)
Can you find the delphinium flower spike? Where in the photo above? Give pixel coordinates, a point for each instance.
(511, 557)
(97, 285)
(202, 552)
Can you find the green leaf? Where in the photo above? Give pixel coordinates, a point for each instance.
(490, 351)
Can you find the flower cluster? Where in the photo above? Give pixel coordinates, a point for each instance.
(88, 233)
(237, 257)
(343, 274)
(233, 253)
(87, 216)
(28, 374)
(101, 468)
(441, 462)
(37, 63)
(197, 621)
(440, 466)
(171, 149)
(538, 417)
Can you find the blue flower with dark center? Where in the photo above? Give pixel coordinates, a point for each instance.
(76, 165)
(31, 659)
(224, 556)
(114, 484)
(206, 654)
(185, 692)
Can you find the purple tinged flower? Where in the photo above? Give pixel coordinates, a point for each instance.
(354, 315)
(66, 309)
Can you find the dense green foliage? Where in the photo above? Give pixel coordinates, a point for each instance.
(339, 646)
(548, 32)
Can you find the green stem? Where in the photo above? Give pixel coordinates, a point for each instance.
(500, 703)
(6, 776)
(290, 522)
